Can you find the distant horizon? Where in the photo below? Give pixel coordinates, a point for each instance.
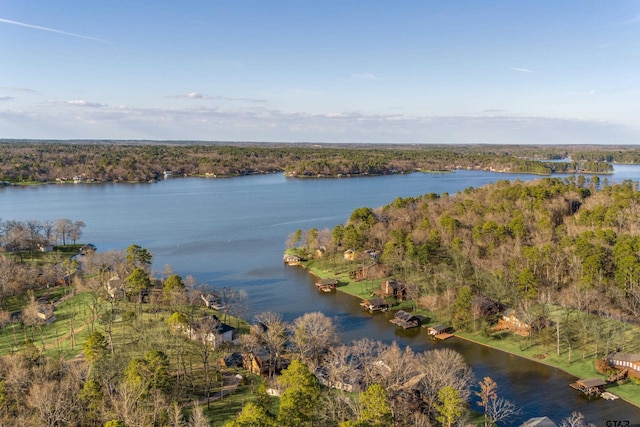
(369, 71)
(319, 143)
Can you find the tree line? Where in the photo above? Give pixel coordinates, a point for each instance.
(571, 243)
(95, 161)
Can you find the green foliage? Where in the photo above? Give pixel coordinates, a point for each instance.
(300, 401)
(173, 287)
(138, 282)
(252, 415)
(115, 423)
(152, 372)
(95, 346)
(138, 257)
(450, 406)
(177, 320)
(376, 411)
(23, 162)
(462, 308)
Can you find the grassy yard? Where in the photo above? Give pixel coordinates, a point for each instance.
(571, 362)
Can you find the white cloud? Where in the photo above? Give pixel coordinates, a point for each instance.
(5, 98)
(522, 70)
(196, 95)
(51, 30)
(262, 124)
(83, 103)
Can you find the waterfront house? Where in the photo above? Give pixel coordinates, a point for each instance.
(375, 304)
(590, 386)
(233, 360)
(405, 320)
(89, 248)
(514, 323)
(440, 331)
(351, 382)
(210, 330)
(393, 288)
(290, 259)
(212, 301)
(483, 306)
(256, 362)
(327, 284)
(628, 361)
(372, 270)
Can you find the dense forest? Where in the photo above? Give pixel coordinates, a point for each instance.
(565, 250)
(112, 161)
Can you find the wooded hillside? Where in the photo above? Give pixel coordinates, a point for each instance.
(113, 161)
(570, 242)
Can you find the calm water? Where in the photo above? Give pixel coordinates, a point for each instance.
(232, 232)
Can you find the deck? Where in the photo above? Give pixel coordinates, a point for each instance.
(443, 336)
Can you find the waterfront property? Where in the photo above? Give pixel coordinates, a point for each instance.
(375, 304)
(350, 382)
(405, 320)
(393, 288)
(441, 332)
(483, 306)
(370, 271)
(513, 321)
(327, 284)
(629, 362)
(590, 386)
(290, 259)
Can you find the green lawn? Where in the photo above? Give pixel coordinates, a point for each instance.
(532, 349)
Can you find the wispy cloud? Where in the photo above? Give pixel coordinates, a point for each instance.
(51, 30)
(364, 76)
(195, 95)
(521, 70)
(262, 124)
(16, 89)
(83, 103)
(5, 98)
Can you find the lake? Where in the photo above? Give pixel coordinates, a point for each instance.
(232, 232)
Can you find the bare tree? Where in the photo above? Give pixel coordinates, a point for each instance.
(62, 229)
(576, 420)
(313, 334)
(500, 409)
(197, 418)
(273, 336)
(442, 368)
(53, 401)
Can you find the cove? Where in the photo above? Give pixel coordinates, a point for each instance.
(232, 232)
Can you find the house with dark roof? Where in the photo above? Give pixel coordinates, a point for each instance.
(628, 361)
(375, 304)
(393, 288)
(590, 386)
(327, 284)
(405, 320)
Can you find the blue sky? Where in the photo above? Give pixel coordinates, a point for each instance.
(503, 72)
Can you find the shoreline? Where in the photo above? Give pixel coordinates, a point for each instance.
(471, 340)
